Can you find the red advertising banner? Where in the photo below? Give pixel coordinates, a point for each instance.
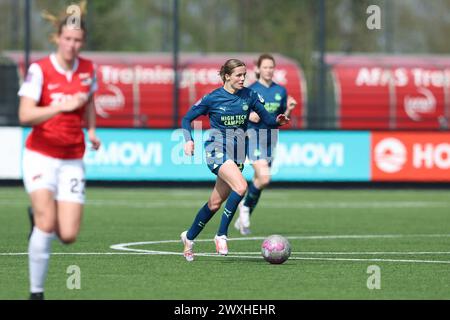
(136, 90)
(391, 92)
(410, 156)
(361, 106)
(420, 99)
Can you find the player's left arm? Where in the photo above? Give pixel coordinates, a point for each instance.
(91, 125)
(253, 117)
(91, 116)
(290, 105)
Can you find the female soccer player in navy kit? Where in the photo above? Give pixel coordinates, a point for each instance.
(262, 139)
(54, 99)
(228, 108)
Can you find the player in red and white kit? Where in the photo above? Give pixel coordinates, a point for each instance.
(56, 100)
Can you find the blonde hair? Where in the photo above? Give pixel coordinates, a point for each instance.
(229, 66)
(62, 19)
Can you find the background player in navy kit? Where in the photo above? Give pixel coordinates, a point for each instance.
(228, 108)
(262, 140)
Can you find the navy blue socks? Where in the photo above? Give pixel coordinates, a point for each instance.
(230, 208)
(252, 197)
(202, 218)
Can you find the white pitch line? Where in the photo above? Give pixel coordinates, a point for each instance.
(240, 256)
(377, 253)
(374, 260)
(361, 253)
(256, 255)
(76, 253)
(125, 247)
(144, 252)
(355, 259)
(130, 203)
(288, 204)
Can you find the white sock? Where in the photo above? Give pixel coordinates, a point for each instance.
(244, 216)
(39, 249)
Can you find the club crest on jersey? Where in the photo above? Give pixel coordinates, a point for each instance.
(278, 97)
(245, 107)
(261, 99)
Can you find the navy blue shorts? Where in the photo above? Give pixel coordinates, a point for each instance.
(215, 160)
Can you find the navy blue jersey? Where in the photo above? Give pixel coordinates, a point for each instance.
(228, 114)
(275, 98)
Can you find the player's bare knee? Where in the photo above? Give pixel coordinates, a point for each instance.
(214, 205)
(68, 238)
(45, 225)
(264, 181)
(241, 188)
(47, 228)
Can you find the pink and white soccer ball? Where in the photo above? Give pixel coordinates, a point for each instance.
(276, 249)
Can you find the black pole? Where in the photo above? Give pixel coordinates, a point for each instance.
(175, 63)
(321, 98)
(389, 26)
(27, 35)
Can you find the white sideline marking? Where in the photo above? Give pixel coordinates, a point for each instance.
(375, 260)
(125, 247)
(125, 250)
(139, 204)
(299, 204)
(359, 253)
(239, 256)
(400, 253)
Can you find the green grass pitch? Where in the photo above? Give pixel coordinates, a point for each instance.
(335, 236)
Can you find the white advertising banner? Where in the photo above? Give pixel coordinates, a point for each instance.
(10, 153)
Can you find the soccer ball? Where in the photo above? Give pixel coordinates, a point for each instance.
(275, 249)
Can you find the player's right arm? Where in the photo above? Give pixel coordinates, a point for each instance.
(31, 114)
(198, 109)
(30, 94)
